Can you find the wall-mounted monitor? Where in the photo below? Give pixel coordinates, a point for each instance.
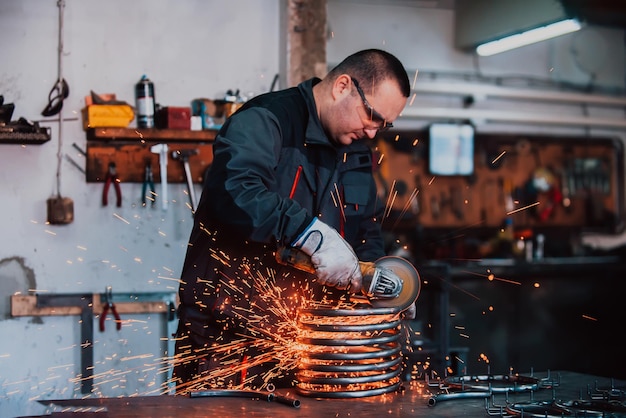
(451, 149)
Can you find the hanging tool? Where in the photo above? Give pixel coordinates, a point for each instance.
(161, 149)
(79, 149)
(75, 164)
(389, 282)
(183, 155)
(60, 91)
(60, 210)
(112, 178)
(109, 306)
(148, 182)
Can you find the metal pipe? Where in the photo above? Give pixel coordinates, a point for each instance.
(285, 400)
(319, 392)
(349, 356)
(250, 394)
(493, 383)
(483, 90)
(226, 393)
(439, 113)
(446, 396)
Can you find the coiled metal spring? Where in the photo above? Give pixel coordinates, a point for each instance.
(349, 353)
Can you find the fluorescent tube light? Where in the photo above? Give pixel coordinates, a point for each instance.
(529, 37)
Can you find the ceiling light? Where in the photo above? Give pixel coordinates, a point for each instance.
(529, 37)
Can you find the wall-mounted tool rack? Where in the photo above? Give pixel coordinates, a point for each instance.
(30, 305)
(589, 172)
(129, 149)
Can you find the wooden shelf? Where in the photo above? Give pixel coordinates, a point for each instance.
(149, 135)
(129, 149)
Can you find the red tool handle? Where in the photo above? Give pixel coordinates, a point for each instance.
(116, 317)
(103, 317)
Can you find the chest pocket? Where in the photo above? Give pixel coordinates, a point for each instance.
(356, 188)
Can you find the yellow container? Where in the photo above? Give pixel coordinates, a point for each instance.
(107, 116)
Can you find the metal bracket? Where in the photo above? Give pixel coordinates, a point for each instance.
(85, 302)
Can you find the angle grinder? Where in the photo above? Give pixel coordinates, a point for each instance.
(389, 282)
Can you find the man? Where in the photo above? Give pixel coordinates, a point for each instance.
(289, 170)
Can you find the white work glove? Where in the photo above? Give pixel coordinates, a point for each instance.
(334, 260)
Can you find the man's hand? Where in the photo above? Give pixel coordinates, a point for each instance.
(334, 260)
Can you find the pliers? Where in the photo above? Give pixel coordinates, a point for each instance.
(109, 306)
(112, 177)
(148, 181)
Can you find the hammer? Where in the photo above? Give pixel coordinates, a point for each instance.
(183, 155)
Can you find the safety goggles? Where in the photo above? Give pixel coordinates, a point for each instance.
(380, 123)
(59, 92)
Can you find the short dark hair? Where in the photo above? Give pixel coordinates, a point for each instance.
(372, 66)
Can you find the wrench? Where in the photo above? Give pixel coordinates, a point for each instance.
(161, 149)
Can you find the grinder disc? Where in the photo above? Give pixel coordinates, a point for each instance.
(410, 283)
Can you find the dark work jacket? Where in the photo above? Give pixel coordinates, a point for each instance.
(273, 170)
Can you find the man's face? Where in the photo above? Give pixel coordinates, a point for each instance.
(363, 112)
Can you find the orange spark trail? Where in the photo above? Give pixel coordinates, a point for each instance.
(407, 205)
(492, 277)
(271, 330)
(524, 208)
(498, 157)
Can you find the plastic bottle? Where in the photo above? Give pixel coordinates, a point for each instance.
(145, 103)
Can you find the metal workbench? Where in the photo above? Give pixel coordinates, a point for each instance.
(411, 402)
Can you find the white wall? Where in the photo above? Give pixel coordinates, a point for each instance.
(190, 49)
(423, 37)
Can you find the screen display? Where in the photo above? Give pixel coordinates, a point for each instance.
(451, 149)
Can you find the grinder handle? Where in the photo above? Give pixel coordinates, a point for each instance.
(294, 257)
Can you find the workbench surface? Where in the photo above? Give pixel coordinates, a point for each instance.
(410, 402)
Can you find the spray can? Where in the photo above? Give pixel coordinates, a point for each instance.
(145, 103)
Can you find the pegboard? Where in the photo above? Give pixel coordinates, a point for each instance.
(587, 173)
